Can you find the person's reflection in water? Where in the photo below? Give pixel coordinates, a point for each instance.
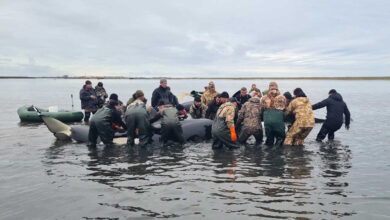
(287, 169)
(227, 163)
(175, 152)
(335, 165)
(253, 154)
(102, 164)
(290, 163)
(273, 161)
(298, 162)
(119, 154)
(334, 169)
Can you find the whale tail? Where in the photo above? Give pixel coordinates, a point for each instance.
(60, 130)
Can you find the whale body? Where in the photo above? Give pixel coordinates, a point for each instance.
(193, 130)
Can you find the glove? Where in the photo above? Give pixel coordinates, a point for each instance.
(116, 127)
(233, 134)
(347, 127)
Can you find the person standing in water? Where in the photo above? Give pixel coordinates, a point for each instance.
(89, 100)
(304, 120)
(335, 107)
(223, 129)
(105, 122)
(171, 129)
(272, 106)
(249, 119)
(137, 121)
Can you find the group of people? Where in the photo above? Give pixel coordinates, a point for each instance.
(235, 118)
(91, 98)
(243, 114)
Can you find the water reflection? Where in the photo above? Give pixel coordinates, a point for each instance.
(226, 163)
(254, 181)
(334, 166)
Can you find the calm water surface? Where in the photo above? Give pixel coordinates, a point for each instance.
(45, 179)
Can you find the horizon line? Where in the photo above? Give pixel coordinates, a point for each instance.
(204, 78)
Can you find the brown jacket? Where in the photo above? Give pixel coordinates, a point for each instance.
(227, 111)
(250, 115)
(273, 100)
(208, 97)
(303, 112)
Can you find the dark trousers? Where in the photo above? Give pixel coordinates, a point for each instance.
(329, 130)
(245, 134)
(105, 133)
(134, 122)
(87, 114)
(275, 134)
(172, 132)
(274, 127)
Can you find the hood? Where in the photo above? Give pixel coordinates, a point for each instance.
(336, 97)
(255, 100)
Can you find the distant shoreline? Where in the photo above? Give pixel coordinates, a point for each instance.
(202, 78)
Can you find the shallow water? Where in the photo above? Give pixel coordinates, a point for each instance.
(45, 179)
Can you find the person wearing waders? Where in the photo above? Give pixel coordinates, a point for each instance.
(223, 129)
(171, 130)
(105, 122)
(89, 100)
(249, 119)
(272, 107)
(300, 107)
(335, 107)
(137, 121)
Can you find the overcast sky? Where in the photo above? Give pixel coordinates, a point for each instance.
(195, 38)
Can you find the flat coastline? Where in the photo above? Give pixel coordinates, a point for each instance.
(202, 78)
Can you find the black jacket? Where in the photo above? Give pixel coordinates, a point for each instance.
(212, 109)
(117, 117)
(85, 97)
(241, 99)
(164, 94)
(335, 107)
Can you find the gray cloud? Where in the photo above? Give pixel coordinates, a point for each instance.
(177, 38)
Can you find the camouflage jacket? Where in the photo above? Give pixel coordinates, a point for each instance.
(273, 100)
(227, 111)
(101, 93)
(196, 112)
(136, 102)
(303, 112)
(250, 115)
(208, 97)
(131, 100)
